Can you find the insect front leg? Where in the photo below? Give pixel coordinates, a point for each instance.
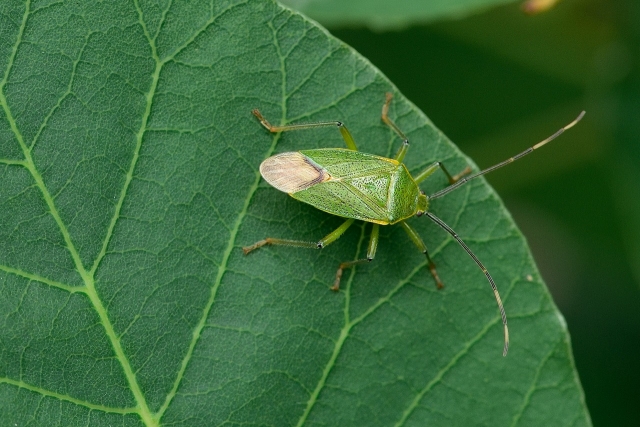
(328, 239)
(417, 240)
(346, 135)
(405, 146)
(438, 165)
(371, 253)
(385, 118)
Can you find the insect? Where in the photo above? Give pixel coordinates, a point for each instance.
(360, 186)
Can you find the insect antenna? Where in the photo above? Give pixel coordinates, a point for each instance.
(463, 181)
(486, 273)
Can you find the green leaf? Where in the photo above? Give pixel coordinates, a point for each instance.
(129, 168)
(384, 14)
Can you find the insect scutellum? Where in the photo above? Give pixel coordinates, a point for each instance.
(360, 186)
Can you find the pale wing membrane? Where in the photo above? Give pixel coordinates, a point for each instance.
(292, 172)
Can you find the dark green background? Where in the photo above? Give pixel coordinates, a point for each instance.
(500, 81)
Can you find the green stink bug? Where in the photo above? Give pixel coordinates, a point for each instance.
(355, 185)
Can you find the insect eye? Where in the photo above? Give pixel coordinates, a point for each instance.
(419, 213)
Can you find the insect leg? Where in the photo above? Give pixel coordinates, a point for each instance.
(438, 165)
(385, 118)
(415, 238)
(371, 253)
(346, 135)
(329, 238)
(335, 234)
(405, 146)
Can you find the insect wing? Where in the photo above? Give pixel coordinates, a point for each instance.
(358, 186)
(343, 164)
(292, 172)
(342, 199)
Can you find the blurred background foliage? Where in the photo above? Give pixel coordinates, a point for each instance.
(498, 81)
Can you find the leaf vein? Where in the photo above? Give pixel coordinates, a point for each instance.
(65, 398)
(64, 96)
(11, 162)
(316, 68)
(438, 377)
(532, 388)
(40, 279)
(195, 35)
(14, 51)
(230, 245)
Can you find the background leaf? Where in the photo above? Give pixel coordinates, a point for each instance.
(381, 14)
(129, 167)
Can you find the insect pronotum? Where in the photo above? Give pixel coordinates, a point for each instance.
(360, 186)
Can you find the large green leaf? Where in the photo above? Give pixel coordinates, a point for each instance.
(128, 160)
(384, 14)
